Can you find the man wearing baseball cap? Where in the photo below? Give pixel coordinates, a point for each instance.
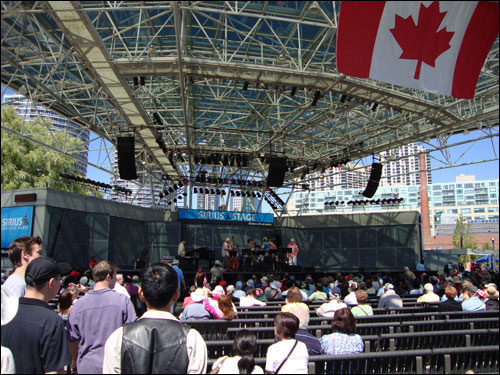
(471, 301)
(36, 335)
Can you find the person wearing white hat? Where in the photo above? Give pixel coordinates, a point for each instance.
(390, 300)
(492, 298)
(10, 303)
(429, 295)
(196, 310)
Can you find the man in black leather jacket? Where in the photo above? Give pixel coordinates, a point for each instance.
(158, 342)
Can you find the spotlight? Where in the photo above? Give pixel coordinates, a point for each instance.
(161, 195)
(185, 181)
(294, 90)
(136, 81)
(374, 107)
(207, 191)
(245, 85)
(143, 81)
(342, 98)
(232, 193)
(195, 190)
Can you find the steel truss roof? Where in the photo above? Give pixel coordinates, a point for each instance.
(83, 60)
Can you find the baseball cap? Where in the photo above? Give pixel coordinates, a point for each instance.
(217, 263)
(42, 269)
(258, 292)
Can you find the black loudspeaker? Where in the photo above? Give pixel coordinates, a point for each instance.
(126, 157)
(296, 268)
(374, 180)
(276, 175)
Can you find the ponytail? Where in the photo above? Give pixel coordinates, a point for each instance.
(246, 364)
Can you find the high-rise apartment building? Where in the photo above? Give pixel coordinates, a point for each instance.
(30, 111)
(401, 166)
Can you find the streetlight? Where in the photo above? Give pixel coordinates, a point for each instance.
(493, 243)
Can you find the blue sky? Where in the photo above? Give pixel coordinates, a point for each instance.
(481, 150)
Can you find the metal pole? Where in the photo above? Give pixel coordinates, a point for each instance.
(493, 244)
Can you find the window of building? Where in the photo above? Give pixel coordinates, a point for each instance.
(436, 187)
(493, 217)
(469, 186)
(481, 217)
(479, 210)
(465, 210)
(467, 218)
(452, 211)
(492, 209)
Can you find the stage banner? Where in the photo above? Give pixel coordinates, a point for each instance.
(16, 222)
(247, 217)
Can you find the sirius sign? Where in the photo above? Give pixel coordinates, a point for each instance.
(16, 222)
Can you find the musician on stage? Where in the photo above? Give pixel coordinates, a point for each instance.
(226, 247)
(181, 250)
(234, 259)
(292, 255)
(251, 248)
(274, 254)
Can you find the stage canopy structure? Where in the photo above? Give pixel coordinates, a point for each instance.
(222, 87)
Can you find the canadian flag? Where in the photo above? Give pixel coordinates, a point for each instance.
(435, 46)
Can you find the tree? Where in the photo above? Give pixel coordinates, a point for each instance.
(26, 164)
(486, 246)
(462, 237)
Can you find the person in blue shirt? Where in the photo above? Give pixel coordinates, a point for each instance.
(471, 301)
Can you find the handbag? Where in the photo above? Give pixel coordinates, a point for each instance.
(282, 363)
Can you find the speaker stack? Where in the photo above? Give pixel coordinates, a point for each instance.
(277, 169)
(126, 157)
(374, 180)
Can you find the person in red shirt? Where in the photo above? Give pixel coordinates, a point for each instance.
(93, 262)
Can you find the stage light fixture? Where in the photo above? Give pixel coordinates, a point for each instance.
(136, 81)
(195, 190)
(179, 197)
(374, 107)
(161, 195)
(143, 80)
(293, 91)
(185, 181)
(245, 85)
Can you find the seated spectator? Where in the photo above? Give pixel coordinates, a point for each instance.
(238, 292)
(369, 287)
(230, 292)
(188, 300)
(328, 309)
(260, 295)
(250, 285)
(224, 310)
(244, 345)
(312, 343)
(491, 298)
(417, 288)
(217, 273)
(273, 293)
(250, 299)
(195, 310)
(390, 300)
(350, 299)
(287, 356)
(303, 293)
(451, 303)
(429, 295)
(293, 299)
(200, 279)
(471, 301)
(318, 295)
(362, 309)
(344, 339)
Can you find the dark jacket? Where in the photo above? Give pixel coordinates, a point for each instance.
(154, 346)
(492, 304)
(450, 305)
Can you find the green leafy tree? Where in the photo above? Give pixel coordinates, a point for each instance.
(462, 236)
(486, 246)
(26, 164)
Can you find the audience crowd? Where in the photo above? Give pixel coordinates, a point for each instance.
(105, 322)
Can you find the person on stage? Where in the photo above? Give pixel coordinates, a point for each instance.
(181, 250)
(226, 247)
(251, 249)
(265, 247)
(292, 256)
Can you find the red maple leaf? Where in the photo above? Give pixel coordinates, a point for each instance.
(422, 43)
